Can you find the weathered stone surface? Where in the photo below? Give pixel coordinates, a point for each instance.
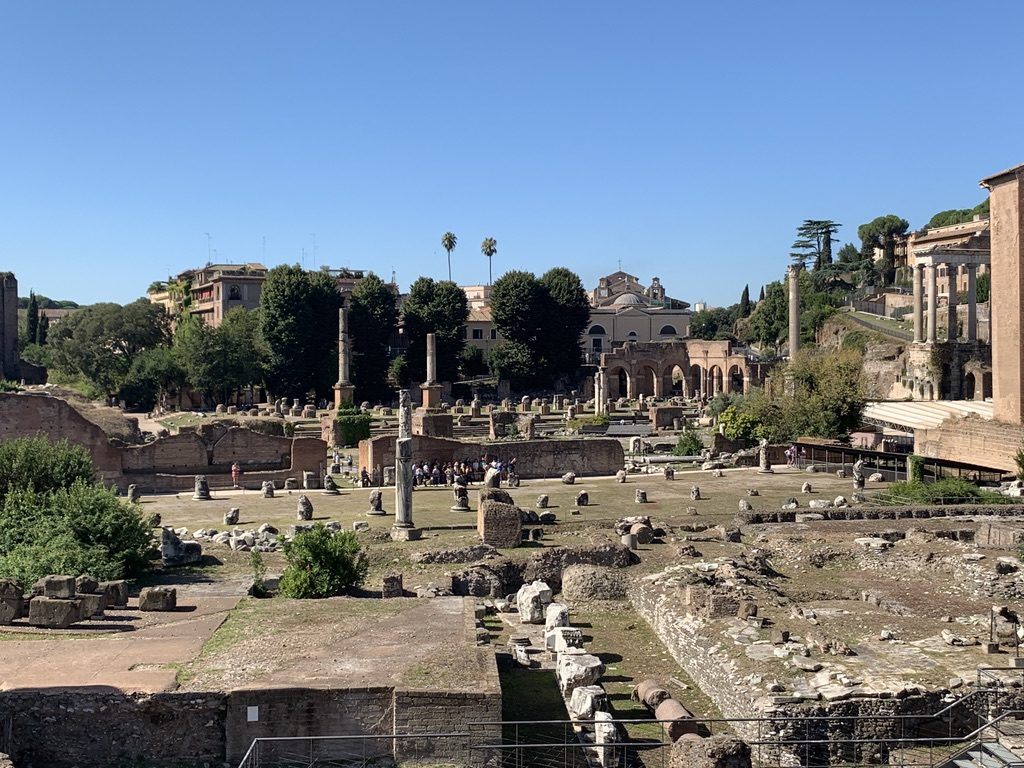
(582, 499)
(55, 613)
(90, 605)
(542, 501)
(676, 720)
(577, 669)
(532, 600)
(201, 490)
(267, 489)
(158, 599)
(304, 509)
(569, 478)
(644, 533)
(499, 524)
(231, 516)
(712, 752)
(55, 586)
(583, 583)
(392, 586)
(86, 584)
(556, 615)
(10, 608)
(116, 592)
(175, 552)
(586, 700)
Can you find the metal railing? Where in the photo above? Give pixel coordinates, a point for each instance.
(924, 740)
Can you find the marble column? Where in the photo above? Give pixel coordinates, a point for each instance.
(951, 274)
(972, 303)
(933, 308)
(403, 463)
(918, 303)
(794, 309)
(431, 359)
(343, 389)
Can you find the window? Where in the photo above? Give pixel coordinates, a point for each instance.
(478, 333)
(597, 330)
(494, 333)
(667, 330)
(631, 336)
(234, 293)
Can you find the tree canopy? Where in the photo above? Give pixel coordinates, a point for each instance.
(882, 232)
(441, 308)
(299, 322)
(372, 314)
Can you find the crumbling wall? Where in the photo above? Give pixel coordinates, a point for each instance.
(972, 440)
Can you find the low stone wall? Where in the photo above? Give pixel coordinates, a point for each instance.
(534, 458)
(102, 726)
(972, 440)
(882, 513)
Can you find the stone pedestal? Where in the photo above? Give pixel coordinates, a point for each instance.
(431, 423)
(406, 534)
(431, 394)
(343, 395)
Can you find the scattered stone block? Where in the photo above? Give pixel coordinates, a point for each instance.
(587, 700)
(158, 599)
(291, 484)
(90, 605)
(392, 586)
(174, 552)
(55, 587)
(360, 526)
(640, 496)
(116, 593)
(86, 584)
(52, 612)
(532, 600)
(644, 533)
(542, 501)
(582, 499)
(556, 615)
(499, 524)
(805, 488)
(231, 516)
(620, 476)
(201, 489)
(267, 489)
(304, 509)
(577, 669)
(695, 493)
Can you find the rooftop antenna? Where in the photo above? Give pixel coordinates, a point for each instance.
(393, 282)
(303, 258)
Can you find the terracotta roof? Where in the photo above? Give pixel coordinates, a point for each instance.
(482, 315)
(987, 182)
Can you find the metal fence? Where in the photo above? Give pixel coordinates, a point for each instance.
(910, 741)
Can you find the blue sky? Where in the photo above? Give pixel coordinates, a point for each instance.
(687, 140)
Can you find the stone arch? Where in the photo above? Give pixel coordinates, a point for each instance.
(715, 380)
(971, 390)
(986, 385)
(647, 382)
(735, 382)
(674, 380)
(696, 380)
(667, 330)
(597, 330)
(618, 383)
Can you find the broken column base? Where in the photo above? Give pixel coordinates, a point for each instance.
(406, 534)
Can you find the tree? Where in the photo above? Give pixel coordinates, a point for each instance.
(32, 319)
(440, 308)
(514, 362)
(760, 297)
(299, 323)
(983, 287)
(714, 322)
(745, 302)
(566, 317)
(883, 232)
(372, 316)
(43, 331)
(448, 242)
(322, 563)
(518, 304)
(770, 319)
(100, 342)
(488, 248)
(153, 374)
(848, 254)
(36, 463)
(818, 235)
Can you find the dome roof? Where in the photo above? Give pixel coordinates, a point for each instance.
(628, 299)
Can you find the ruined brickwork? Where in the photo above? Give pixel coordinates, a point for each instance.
(1006, 202)
(972, 440)
(168, 463)
(534, 458)
(9, 368)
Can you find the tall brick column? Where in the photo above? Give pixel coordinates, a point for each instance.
(1006, 302)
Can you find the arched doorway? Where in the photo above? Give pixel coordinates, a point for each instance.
(986, 385)
(647, 383)
(696, 380)
(969, 386)
(675, 382)
(715, 380)
(735, 380)
(618, 383)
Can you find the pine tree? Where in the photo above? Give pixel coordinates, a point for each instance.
(745, 302)
(43, 330)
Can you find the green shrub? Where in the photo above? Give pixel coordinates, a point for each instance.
(949, 490)
(36, 463)
(9, 386)
(689, 443)
(600, 419)
(81, 529)
(915, 468)
(259, 573)
(322, 563)
(353, 425)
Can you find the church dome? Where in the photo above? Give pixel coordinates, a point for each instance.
(628, 299)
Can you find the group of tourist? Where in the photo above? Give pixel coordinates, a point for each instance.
(446, 473)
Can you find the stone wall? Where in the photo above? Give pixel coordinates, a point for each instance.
(534, 458)
(972, 440)
(24, 415)
(882, 513)
(102, 726)
(9, 368)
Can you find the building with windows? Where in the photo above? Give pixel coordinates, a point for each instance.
(480, 330)
(622, 309)
(212, 291)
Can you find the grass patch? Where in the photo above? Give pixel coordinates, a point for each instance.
(950, 490)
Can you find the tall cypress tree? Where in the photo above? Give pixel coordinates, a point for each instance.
(745, 302)
(32, 321)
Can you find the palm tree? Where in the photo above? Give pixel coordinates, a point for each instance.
(488, 248)
(448, 242)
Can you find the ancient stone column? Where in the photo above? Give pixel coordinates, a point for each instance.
(951, 273)
(972, 303)
(431, 359)
(918, 303)
(343, 390)
(794, 309)
(403, 463)
(599, 391)
(933, 302)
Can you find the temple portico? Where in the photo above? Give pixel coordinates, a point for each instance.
(925, 284)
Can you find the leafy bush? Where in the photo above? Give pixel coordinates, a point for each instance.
(322, 563)
(9, 386)
(81, 529)
(597, 420)
(259, 573)
(353, 425)
(689, 443)
(915, 468)
(950, 490)
(36, 463)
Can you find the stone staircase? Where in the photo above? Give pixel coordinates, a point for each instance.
(984, 754)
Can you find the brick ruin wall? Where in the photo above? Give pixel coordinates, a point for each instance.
(534, 458)
(167, 463)
(883, 513)
(972, 440)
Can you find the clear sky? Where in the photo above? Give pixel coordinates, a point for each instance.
(687, 140)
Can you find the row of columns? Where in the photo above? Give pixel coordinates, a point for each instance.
(927, 273)
(710, 385)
